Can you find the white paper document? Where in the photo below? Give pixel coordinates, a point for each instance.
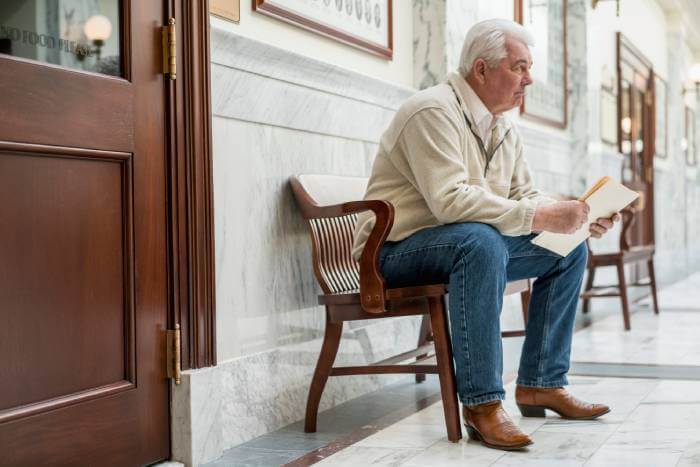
(609, 198)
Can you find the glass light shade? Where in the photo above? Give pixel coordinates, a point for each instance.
(626, 125)
(98, 28)
(695, 73)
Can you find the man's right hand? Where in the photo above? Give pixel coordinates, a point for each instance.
(562, 217)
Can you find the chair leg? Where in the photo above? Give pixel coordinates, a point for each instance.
(422, 340)
(525, 304)
(443, 354)
(589, 286)
(652, 279)
(329, 349)
(623, 294)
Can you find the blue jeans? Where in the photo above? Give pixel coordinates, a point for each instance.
(476, 261)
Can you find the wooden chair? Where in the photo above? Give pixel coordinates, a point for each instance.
(626, 254)
(354, 291)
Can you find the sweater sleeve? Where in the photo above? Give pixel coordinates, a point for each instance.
(431, 143)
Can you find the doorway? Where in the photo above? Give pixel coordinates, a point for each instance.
(84, 281)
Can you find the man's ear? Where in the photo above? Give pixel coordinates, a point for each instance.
(479, 69)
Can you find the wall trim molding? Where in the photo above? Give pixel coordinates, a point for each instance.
(191, 215)
(233, 50)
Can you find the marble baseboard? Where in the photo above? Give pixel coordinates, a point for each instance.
(220, 407)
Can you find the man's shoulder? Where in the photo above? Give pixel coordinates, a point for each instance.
(440, 96)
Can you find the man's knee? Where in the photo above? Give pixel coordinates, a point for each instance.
(579, 256)
(484, 245)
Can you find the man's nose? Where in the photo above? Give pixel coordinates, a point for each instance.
(527, 79)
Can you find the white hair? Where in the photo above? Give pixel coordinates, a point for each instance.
(487, 40)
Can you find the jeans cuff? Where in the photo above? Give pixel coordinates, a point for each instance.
(471, 401)
(557, 383)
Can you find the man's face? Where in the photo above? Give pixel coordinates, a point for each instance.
(505, 84)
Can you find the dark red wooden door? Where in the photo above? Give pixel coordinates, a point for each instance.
(83, 282)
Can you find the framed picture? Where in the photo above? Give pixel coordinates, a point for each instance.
(546, 98)
(365, 24)
(691, 158)
(661, 111)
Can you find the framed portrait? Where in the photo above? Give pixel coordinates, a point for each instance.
(691, 157)
(365, 24)
(546, 98)
(661, 112)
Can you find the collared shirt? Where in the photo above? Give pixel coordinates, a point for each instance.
(479, 113)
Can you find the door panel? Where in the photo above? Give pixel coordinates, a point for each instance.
(50, 105)
(77, 222)
(83, 280)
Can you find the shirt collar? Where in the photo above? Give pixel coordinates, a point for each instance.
(472, 105)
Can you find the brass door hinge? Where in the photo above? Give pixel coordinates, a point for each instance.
(173, 353)
(170, 49)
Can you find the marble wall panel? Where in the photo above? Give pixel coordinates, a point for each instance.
(249, 97)
(246, 54)
(429, 42)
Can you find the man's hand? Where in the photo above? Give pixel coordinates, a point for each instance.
(562, 217)
(602, 225)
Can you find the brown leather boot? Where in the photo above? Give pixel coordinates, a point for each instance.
(491, 425)
(533, 401)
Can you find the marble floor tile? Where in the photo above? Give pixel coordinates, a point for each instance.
(447, 454)
(681, 295)
(663, 417)
(613, 457)
(557, 447)
(354, 456)
(404, 435)
(687, 392)
(248, 457)
(669, 338)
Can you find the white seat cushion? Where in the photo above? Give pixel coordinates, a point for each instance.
(327, 190)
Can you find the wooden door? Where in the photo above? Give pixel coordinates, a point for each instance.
(637, 139)
(83, 282)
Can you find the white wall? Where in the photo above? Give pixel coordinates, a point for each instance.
(641, 21)
(297, 40)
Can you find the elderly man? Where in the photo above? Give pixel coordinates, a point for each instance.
(465, 212)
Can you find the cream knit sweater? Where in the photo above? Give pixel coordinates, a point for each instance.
(430, 167)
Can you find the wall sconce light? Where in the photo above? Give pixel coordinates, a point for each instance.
(695, 79)
(594, 3)
(97, 29)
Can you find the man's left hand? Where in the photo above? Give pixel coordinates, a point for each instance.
(602, 225)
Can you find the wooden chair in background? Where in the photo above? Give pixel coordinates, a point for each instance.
(355, 291)
(626, 255)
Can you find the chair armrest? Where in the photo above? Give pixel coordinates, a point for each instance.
(372, 285)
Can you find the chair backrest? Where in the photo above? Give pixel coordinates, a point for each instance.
(332, 237)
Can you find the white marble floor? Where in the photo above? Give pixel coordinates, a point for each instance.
(653, 422)
(684, 295)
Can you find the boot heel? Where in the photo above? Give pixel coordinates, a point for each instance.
(531, 410)
(473, 434)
